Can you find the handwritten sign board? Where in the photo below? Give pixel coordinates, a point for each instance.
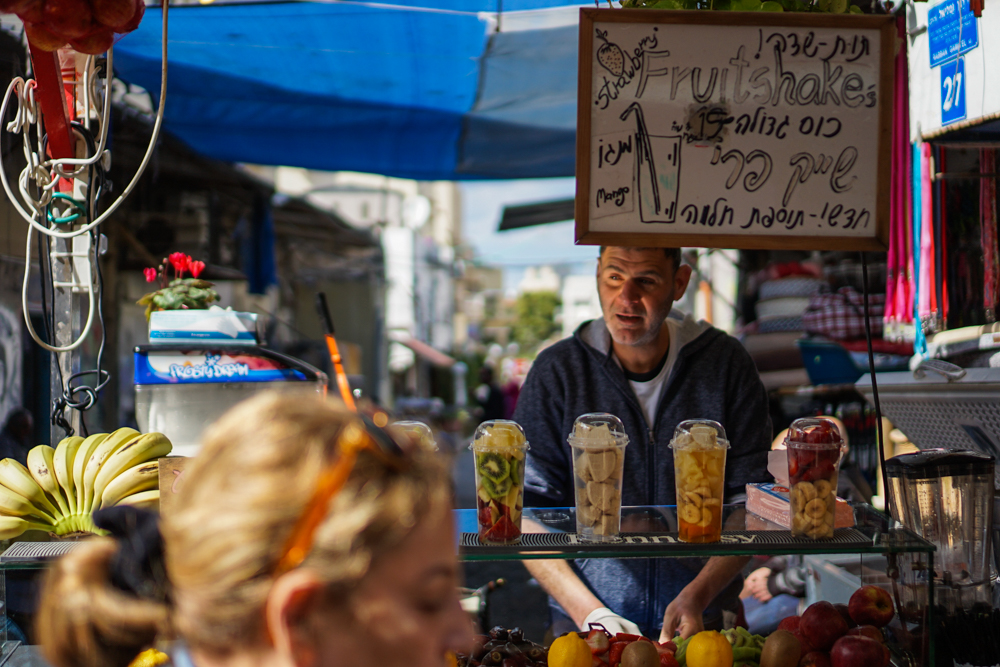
(734, 130)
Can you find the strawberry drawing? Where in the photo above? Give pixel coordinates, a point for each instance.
(610, 55)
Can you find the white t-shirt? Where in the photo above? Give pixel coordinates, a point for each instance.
(649, 392)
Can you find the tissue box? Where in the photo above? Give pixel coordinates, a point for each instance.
(215, 325)
(770, 501)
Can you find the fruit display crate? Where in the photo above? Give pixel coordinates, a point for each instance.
(881, 551)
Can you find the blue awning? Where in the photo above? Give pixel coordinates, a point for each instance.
(429, 92)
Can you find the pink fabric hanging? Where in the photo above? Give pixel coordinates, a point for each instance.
(988, 231)
(927, 296)
(942, 308)
(899, 308)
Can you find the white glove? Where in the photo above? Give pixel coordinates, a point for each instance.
(611, 621)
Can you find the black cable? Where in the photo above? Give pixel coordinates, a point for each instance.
(878, 408)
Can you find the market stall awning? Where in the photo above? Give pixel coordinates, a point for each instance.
(422, 349)
(430, 92)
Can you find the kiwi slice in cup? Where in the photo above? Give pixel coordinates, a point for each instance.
(493, 466)
(497, 490)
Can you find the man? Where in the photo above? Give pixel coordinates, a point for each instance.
(652, 371)
(489, 396)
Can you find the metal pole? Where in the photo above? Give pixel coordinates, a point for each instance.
(71, 272)
(66, 307)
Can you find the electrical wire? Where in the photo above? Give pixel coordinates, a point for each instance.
(44, 176)
(887, 500)
(46, 173)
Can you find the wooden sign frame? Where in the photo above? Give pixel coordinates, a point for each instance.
(886, 27)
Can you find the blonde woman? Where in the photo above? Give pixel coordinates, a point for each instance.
(302, 537)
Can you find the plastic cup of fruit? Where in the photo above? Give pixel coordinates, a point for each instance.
(815, 448)
(419, 431)
(598, 441)
(499, 447)
(699, 475)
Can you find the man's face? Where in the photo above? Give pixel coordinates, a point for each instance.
(637, 287)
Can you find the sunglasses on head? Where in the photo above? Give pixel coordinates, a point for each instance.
(360, 434)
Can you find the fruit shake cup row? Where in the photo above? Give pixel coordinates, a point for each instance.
(500, 448)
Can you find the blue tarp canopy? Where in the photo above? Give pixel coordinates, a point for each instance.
(429, 91)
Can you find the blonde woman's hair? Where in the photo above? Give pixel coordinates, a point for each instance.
(241, 496)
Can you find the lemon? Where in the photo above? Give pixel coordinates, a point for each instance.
(709, 649)
(571, 650)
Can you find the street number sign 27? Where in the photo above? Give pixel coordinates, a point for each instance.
(953, 92)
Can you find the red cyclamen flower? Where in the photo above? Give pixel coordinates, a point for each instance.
(150, 274)
(180, 262)
(196, 268)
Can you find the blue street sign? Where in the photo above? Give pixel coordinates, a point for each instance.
(953, 92)
(952, 30)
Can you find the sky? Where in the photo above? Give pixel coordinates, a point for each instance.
(515, 250)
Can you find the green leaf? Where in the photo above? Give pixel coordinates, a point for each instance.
(771, 6)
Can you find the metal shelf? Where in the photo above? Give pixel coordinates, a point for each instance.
(651, 532)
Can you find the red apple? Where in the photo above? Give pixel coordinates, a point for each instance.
(815, 659)
(854, 651)
(869, 631)
(871, 605)
(140, 10)
(790, 623)
(95, 43)
(845, 614)
(822, 625)
(42, 38)
(806, 646)
(71, 19)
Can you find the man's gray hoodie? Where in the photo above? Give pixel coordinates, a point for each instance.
(712, 378)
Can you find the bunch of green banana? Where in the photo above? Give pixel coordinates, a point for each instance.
(62, 487)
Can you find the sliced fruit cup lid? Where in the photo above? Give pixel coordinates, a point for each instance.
(499, 434)
(699, 434)
(597, 430)
(814, 433)
(419, 431)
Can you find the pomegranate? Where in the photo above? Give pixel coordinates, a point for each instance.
(32, 11)
(133, 23)
(42, 38)
(113, 13)
(96, 42)
(69, 18)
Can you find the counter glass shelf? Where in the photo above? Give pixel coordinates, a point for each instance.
(876, 550)
(651, 532)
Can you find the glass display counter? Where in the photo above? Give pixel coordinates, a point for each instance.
(876, 550)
